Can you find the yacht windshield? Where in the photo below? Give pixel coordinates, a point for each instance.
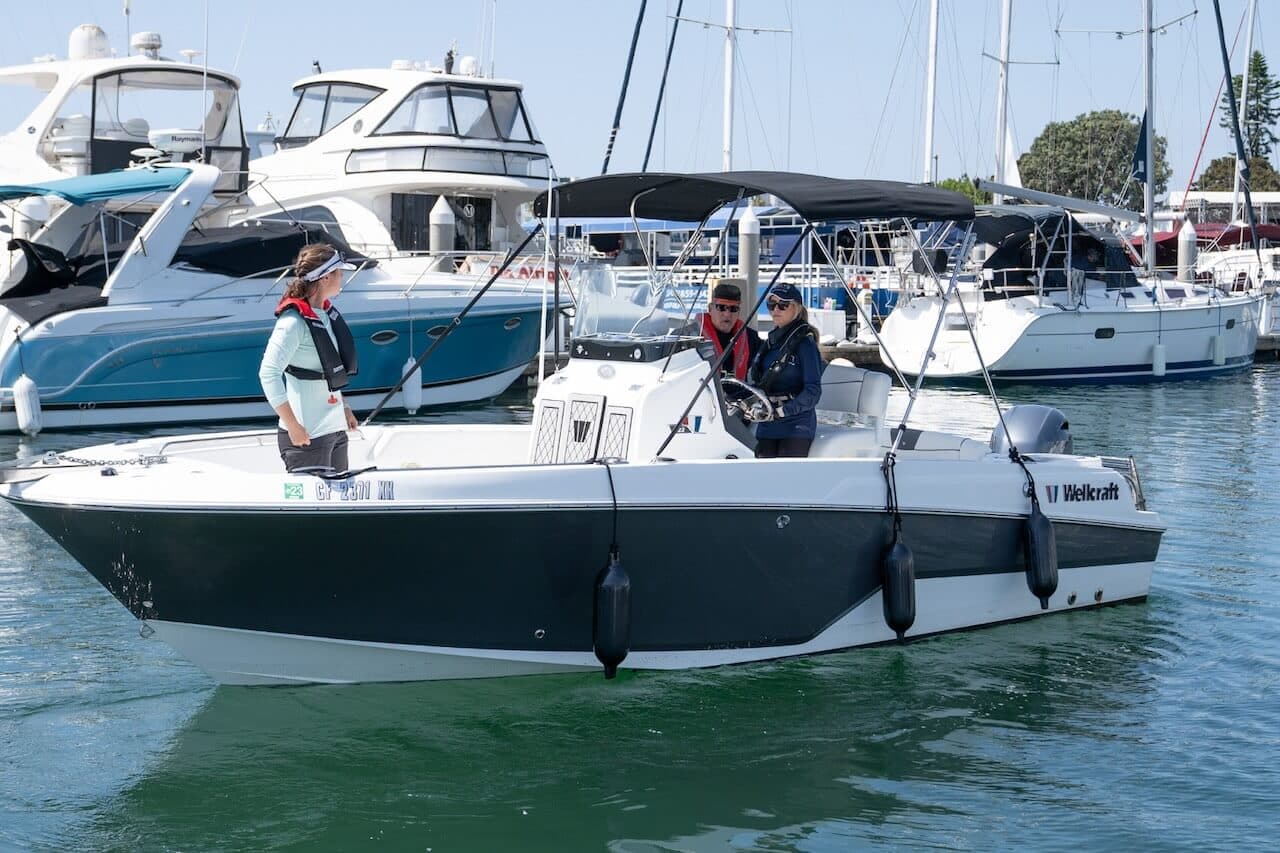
(323, 106)
(472, 112)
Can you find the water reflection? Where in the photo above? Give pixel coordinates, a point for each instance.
(854, 745)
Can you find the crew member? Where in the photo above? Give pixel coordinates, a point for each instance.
(309, 359)
(788, 370)
(720, 323)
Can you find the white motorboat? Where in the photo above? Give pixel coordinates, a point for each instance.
(91, 112)
(628, 526)
(169, 326)
(1039, 316)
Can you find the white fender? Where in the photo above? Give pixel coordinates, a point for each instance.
(26, 403)
(1218, 351)
(1157, 360)
(411, 393)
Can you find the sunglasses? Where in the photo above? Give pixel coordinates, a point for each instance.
(732, 309)
(779, 304)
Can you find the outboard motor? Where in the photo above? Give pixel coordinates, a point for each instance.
(1034, 429)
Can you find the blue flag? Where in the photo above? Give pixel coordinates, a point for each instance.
(1139, 169)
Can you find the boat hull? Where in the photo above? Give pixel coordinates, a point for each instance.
(1024, 342)
(265, 597)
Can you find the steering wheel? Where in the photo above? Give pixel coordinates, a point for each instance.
(751, 391)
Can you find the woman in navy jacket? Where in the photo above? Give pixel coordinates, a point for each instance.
(788, 369)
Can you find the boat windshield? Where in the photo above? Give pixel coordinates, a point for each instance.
(609, 306)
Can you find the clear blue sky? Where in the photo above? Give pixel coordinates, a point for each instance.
(849, 79)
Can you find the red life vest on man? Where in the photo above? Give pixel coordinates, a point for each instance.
(741, 352)
(338, 364)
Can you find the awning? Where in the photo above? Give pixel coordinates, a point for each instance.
(691, 197)
(87, 189)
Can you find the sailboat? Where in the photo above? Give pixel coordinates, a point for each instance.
(1055, 302)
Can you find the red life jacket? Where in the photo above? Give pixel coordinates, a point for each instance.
(741, 352)
(338, 364)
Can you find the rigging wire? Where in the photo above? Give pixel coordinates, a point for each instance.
(906, 32)
(662, 88)
(622, 94)
(1213, 112)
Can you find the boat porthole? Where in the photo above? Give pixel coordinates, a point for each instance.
(437, 331)
(384, 337)
(1231, 324)
(515, 321)
(1071, 599)
(783, 521)
(1104, 334)
(539, 633)
(1097, 596)
(358, 126)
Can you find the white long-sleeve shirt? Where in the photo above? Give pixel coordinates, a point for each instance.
(319, 410)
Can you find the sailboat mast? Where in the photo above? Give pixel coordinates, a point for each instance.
(730, 33)
(1244, 106)
(1149, 191)
(931, 79)
(1002, 92)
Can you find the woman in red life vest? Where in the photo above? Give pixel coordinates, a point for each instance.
(309, 359)
(722, 320)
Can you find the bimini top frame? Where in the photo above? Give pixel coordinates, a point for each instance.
(694, 197)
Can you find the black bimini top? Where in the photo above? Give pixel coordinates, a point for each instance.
(691, 197)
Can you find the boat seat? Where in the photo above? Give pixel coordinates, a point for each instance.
(850, 389)
(842, 441)
(941, 444)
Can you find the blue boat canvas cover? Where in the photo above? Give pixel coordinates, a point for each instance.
(87, 189)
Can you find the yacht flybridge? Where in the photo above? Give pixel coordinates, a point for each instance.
(628, 526)
(417, 168)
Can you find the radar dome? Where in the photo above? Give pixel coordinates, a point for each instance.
(88, 41)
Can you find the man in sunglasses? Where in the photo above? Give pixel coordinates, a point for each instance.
(722, 320)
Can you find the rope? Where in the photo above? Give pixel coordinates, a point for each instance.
(891, 491)
(613, 494)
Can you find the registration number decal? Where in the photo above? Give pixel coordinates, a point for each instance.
(356, 490)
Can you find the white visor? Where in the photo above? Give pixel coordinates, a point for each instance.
(336, 261)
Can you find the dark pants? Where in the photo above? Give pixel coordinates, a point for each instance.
(329, 451)
(774, 448)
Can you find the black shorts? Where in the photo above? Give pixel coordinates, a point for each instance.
(329, 451)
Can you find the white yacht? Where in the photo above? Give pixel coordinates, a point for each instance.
(169, 324)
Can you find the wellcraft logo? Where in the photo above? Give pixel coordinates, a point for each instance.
(1075, 492)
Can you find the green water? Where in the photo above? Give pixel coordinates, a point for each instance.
(1149, 726)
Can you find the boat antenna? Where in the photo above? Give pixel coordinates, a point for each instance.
(728, 348)
(622, 95)
(662, 87)
(204, 90)
(454, 323)
(1241, 154)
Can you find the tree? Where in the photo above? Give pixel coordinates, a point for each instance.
(1220, 175)
(1091, 157)
(1259, 114)
(964, 186)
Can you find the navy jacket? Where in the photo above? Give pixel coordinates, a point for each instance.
(800, 379)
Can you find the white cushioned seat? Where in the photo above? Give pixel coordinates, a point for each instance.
(846, 388)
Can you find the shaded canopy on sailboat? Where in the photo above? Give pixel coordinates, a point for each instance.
(691, 197)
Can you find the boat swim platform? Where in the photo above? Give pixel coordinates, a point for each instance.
(868, 355)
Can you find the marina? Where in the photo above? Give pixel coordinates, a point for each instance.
(390, 473)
